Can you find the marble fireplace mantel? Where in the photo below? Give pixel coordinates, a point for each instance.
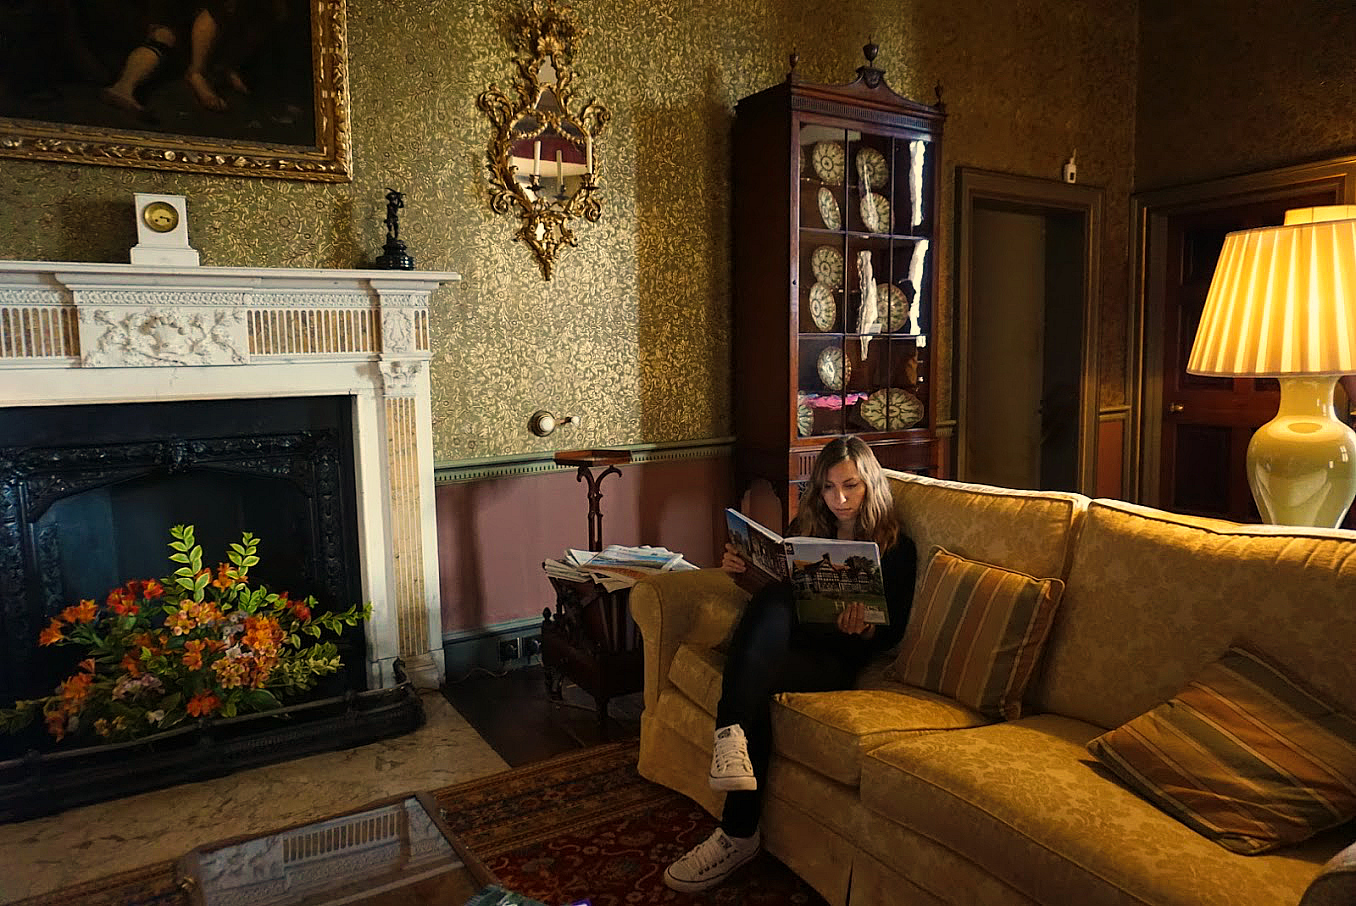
(78, 333)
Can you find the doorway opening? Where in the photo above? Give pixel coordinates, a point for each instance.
(1026, 332)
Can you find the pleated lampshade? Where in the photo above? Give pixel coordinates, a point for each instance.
(1283, 299)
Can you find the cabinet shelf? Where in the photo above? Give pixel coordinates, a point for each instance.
(838, 139)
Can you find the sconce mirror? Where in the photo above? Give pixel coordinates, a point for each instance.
(542, 156)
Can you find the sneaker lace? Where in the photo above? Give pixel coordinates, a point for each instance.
(710, 852)
(732, 756)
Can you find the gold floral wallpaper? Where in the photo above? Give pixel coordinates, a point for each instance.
(1269, 88)
(633, 333)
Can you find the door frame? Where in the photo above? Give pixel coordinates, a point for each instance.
(1151, 210)
(976, 187)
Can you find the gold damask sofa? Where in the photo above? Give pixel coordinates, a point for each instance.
(887, 794)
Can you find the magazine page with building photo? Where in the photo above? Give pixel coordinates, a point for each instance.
(828, 575)
(761, 548)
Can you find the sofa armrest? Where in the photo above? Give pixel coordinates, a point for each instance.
(1336, 883)
(698, 607)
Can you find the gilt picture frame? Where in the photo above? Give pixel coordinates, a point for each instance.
(233, 87)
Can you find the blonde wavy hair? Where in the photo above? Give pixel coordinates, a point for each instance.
(876, 520)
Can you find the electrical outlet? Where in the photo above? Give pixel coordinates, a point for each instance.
(531, 645)
(508, 650)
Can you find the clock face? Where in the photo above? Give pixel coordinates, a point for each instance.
(160, 216)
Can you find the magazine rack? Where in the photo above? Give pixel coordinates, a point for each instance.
(591, 639)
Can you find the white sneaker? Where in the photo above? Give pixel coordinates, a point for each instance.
(711, 861)
(730, 765)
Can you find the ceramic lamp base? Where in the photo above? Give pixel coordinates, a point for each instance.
(1302, 463)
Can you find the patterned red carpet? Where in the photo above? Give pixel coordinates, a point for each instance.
(587, 826)
(580, 826)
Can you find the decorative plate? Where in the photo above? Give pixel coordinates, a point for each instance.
(894, 302)
(834, 369)
(892, 409)
(876, 212)
(873, 168)
(827, 264)
(805, 419)
(823, 308)
(828, 209)
(830, 162)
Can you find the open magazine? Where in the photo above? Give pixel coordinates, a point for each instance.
(826, 574)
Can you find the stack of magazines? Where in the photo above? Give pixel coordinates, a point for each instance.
(617, 566)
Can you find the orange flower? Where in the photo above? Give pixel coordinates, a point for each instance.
(130, 665)
(56, 724)
(193, 654)
(52, 634)
(300, 610)
(224, 579)
(202, 704)
(122, 603)
(87, 665)
(84, 612)
(76, 689)
(152, 590)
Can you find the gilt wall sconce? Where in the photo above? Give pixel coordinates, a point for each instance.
(543, 155)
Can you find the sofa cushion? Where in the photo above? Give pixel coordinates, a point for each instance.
(1242, 755)
(696, 671)
(976, 632)
(1151, 598)
(1026, 801)
(1027, 531)
(830, 731)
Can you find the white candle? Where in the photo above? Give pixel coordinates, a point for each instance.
(536, 159)
(588, 151)
(560, 170)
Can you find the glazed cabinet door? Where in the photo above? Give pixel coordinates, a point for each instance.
(863, 282)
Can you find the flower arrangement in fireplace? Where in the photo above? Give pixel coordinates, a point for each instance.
(196, 644)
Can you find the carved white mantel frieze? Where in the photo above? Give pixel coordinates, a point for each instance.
(136, 337)
(76, 333)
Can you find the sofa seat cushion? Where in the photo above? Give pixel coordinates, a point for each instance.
(831, 731)
(1026, 800)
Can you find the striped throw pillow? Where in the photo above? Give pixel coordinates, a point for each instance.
(1243, 755)
(976, 632)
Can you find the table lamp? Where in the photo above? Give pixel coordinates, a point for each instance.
(1282, 304)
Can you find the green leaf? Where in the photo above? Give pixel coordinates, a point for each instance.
(179, 558)
(261, 700)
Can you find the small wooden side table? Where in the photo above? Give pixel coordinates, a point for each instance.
(586, 460)
(591, 638)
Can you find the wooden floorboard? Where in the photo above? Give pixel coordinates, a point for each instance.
(513, 713)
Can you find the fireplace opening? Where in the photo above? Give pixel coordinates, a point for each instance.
(88, 494)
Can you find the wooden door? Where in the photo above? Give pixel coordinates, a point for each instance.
(1207, 422)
